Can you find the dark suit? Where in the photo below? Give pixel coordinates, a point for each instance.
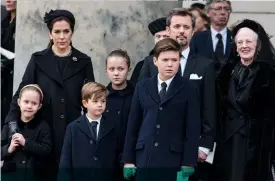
(84, 158)
(205, 68)
(163, 135)
(201, 44)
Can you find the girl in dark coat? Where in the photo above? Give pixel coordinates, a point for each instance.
(60, 71)
(26, 142)
(247, 87)
(120, 92)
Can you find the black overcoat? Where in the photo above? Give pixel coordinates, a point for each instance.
(246, 131)
(62, 93)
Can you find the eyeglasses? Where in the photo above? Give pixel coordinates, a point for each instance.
(219, 9)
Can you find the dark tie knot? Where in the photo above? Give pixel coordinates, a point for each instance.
(163, 85)
(94, 123)
(219, 36)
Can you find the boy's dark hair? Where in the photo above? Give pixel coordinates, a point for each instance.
(120, 53)
(93, 90)
(180, 12)
(167, 44)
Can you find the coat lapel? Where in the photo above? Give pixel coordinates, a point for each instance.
(174, 88)
(105, 128)
(189, 65)
(75, 64)
(228, 43)
(46, 62)
(152, 88)
(82, 124)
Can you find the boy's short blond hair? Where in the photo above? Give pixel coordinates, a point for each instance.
(93, 90)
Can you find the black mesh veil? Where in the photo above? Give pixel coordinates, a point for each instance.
(265, 50)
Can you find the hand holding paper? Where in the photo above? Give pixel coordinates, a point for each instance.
(9, 55)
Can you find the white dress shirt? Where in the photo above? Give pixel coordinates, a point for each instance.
(183, 59)
(98, 125)
(168, 82)
(215, 40)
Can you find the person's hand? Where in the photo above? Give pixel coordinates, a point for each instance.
(202, 156)
(187, 171)
(129, 170)
(20, 138)
(13, 145)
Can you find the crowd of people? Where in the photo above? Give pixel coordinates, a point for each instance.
(203, 90)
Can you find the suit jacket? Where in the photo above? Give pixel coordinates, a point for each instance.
(62, 93)
(204, 68)
(201, 44)
(168, 130)
(84, 158)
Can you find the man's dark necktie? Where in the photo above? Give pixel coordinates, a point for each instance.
(219, 51)
(162, 91)
(94, 128)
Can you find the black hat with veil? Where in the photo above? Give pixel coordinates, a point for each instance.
(265, 50)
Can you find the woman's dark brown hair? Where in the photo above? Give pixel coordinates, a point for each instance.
(61, 18)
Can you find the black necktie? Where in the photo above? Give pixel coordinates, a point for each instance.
(94, 128)
(162, 91)
(219, 46)
(219, 51)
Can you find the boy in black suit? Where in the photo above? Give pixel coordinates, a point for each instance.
(164, 122)
(90, 149)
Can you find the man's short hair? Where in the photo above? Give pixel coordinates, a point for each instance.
(167, 44)
(93, 90)
(180, 12)
(210, 3)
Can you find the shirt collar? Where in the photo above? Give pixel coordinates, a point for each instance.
(90, 120)
(222, 32)
(185, 52)
(168, 82)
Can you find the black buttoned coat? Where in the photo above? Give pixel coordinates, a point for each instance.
(163, 135)
(83, 157)
(62, 93)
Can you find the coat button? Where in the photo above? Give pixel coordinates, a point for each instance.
(160, 108)
(107, 110)
(62, 116)
(62, 100)
(23, 161)
(91, 142)
(118, 112)
(95, 158)
(158, 126)
(156, 144)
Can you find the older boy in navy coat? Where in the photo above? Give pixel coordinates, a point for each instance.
(90, 149)
(164, 122)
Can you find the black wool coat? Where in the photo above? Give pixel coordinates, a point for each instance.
(62, 93)
(28, 162)
(250, 120)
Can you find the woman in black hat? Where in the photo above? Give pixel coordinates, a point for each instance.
(247, 90)
(60, 70)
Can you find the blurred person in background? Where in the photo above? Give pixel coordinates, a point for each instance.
(8, 24)
(202, 20)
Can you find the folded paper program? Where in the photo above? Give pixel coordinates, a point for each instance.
(9, 55)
